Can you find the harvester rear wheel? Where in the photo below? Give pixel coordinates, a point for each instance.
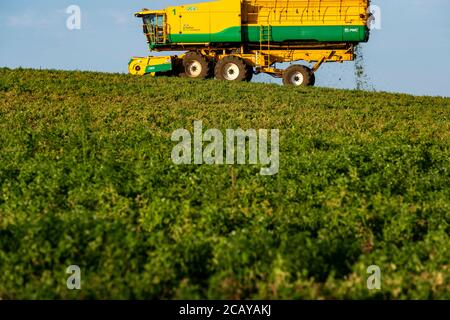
(195, 66)
(312, 82)
(297, 75)
(231, 68)
(249, 73)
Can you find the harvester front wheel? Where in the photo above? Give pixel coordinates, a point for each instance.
(297, 75)
(231, 68)
(195, 66)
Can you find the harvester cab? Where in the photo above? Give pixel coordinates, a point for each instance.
(154, 26)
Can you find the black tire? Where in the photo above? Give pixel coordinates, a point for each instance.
(212, 65)
(249, 73)
(195, 66)
(231, 68)
(312, 82)
(297, 75)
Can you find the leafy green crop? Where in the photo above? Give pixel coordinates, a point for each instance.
(86, 178)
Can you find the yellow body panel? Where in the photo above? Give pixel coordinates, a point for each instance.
(252, 21)
(201, 18)
(215, 16)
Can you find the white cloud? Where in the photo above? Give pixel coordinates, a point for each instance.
(28, 19)
(120, 18)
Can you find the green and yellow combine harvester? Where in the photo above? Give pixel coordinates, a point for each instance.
(235, 39)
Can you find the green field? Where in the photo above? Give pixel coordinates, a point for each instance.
(86, 178)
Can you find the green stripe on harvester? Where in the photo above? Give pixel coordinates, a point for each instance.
(277, 34)
(159, 68)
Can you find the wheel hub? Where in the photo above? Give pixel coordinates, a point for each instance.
(297, 78)
(231, 71)
(194, 69)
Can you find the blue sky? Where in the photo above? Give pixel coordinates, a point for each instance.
(409, 54)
